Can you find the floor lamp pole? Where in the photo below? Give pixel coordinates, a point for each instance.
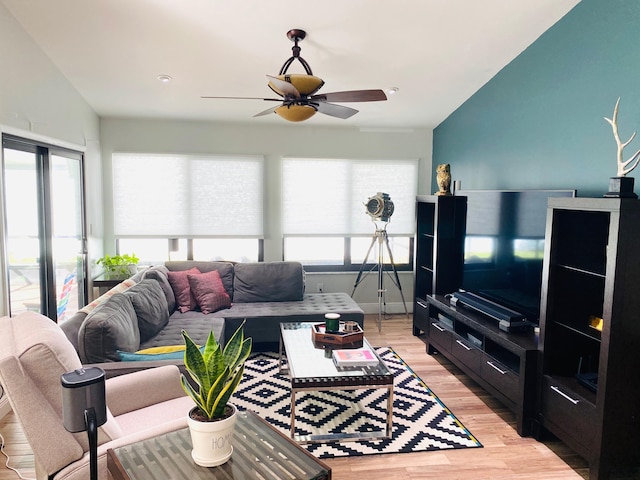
(380, 236)
(92, 432)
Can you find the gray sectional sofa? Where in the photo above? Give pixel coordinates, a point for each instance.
(150, 309)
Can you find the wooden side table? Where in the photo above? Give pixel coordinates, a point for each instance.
(259, 451)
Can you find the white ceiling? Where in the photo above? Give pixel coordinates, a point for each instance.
(437, 52)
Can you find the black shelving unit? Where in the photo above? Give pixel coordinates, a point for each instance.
(589, 393)
(440, 230)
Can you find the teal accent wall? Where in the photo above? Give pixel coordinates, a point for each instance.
(539, 123)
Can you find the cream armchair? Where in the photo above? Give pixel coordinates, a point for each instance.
(34, 353)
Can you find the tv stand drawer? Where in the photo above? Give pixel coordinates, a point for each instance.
(500, 377)
(467, 354)
(439, 336)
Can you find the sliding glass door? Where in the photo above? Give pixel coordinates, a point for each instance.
(45, 239)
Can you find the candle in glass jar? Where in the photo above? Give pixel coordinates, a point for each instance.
(332, 322)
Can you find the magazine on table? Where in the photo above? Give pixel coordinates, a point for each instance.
(355, 357)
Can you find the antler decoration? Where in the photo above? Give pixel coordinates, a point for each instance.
(622, 170)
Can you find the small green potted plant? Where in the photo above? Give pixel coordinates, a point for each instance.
(118, 266)
(216, 373)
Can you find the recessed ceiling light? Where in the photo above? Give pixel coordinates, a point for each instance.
(392, 90)
(164, 78)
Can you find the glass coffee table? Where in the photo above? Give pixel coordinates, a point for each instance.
(313, 369)
(259, 451)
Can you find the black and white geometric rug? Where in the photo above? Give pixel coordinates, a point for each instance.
(421, 422)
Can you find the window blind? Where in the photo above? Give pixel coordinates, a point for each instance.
(327, 196)
(173, 195)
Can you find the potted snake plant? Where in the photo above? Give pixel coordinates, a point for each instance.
(216, 373)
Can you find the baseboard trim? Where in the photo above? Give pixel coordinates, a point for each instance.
(393, 308)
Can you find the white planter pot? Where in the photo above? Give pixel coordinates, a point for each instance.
(212, 440)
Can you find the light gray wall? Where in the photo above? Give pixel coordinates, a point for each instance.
(274, 142)
(37, 101)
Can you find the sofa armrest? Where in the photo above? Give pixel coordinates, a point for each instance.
(126, 393)
(115, 369)
(38, 419)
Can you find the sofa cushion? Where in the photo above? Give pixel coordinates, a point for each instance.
(150, 304)
(161, 275)
(197, 324)
(119, 288)
(110, 327)
(179, 281)
(225, 269)
(268, 282)
(209, 292)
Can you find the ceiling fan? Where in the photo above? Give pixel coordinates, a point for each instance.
(299, 100)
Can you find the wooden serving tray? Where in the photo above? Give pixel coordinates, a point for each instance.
(341, 339)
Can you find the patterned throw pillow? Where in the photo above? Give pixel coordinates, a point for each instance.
(179, 282)
(209, 292)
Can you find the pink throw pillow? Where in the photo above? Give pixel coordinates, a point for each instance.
(209, 292)
(185, 301)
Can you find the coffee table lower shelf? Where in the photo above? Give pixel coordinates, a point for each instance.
(343, 436)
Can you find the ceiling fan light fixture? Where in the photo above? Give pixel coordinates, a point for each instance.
(305, 84)
(296, 113)
(297, 91)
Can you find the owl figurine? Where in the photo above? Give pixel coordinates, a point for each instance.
(443, 179)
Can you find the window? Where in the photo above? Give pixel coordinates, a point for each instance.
(156, 250)
(45, 231)
(325, 224)
(188, 206)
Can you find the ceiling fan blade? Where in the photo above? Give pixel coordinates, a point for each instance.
(334, 110)
(351, 96)
(249, 98)
(285, 87)
(267, 111)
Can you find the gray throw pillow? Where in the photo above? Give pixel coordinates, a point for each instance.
(150, 305)
(159, 273)
(110, 327)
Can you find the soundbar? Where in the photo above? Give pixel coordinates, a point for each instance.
(508, 320)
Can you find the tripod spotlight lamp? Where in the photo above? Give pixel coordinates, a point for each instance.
(380, 207)
(84, 407)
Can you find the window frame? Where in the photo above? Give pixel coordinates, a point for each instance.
(190, 248)
(349, 266)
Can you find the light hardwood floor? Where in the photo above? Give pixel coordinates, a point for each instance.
(505, 455)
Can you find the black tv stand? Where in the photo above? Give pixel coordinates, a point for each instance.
(508, 320)
(503, 363)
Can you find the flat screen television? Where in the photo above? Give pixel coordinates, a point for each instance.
(504, 246)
